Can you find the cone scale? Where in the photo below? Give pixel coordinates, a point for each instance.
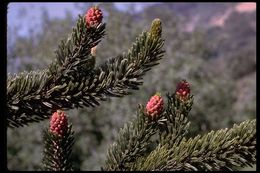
(93, 16)
(154, 107)
(58, 123)
(182, 91)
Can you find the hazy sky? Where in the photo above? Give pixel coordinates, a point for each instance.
(27, 15)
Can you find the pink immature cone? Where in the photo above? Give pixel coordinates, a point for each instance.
(183, 90)
(154, 106)
(58, 123)
(93, 16)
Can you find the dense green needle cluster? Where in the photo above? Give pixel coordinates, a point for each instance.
(162, 144)
(73, 81)
(57, 151)
(156, 139)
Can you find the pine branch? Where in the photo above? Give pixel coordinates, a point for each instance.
(132, 142)
(174, 123)
(74, 56)
(63, 86)
(28, 93)
(57, 151)
(226, 149)
(58, 142)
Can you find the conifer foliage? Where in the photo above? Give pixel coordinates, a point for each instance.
(156, 139)
(73, 80)
(161, 144)
(58, 142)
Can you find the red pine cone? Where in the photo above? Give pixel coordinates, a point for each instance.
(58, 123)
(155, 106)
(93, 16)
(183, 90)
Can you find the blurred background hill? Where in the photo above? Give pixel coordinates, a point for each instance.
(212, 45)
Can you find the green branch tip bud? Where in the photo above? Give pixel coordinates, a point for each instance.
(157, 93)
(156, 28)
